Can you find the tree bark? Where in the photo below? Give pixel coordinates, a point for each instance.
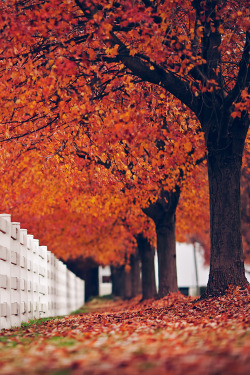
(163, 214)
(117, 280)
(87, 269)
(147, 254)
(135, 274)
(127, 284)
(92, 283)
(166, 250)
(245, 210)
(226, 262)
(121, 282)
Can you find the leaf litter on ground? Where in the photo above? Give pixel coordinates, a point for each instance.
(173, 335)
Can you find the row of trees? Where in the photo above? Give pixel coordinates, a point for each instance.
(123, 103)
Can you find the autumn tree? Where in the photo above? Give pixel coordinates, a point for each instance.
(79, 51)
(147, 158)
(148, 165)
(199, 52)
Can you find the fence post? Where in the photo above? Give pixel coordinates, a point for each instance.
(23, 275)
(69, 301)
(35, 246)
(30, 277)
(53, 284)
(83, 291)
(15, 294)
(5, 233)
(62, 290)
(49, 283)
(71, 292)
(79, 293)
(74, 296)
(43, 282)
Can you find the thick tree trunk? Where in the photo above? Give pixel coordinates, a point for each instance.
(117, 281)
(86, 269)
(163, 214)
(127, 284)
(135, 274)
(121, 282)
(147, 254)
(245, 211)
(166, 250)
(226, 263)
(92, 283)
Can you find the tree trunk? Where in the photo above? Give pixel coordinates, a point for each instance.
(92, 283)
(87, 269)
(121, 282)
(226, 262)
(126, 284)
(135, 274)
(147, 254)
(166, 250)
(163, 214)
(117, 281)
(245, 211)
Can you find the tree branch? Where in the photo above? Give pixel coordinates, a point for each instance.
(243, 79)
(87, 11)
(153, 73)
(206, 15)
(28, 133)
(84, 155)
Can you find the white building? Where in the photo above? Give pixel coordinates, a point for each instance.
(105, 285)
(192, 273)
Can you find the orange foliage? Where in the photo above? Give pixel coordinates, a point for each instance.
(62, 207)
(103, 141)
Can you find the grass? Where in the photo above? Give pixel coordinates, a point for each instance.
(94, 303)
(83, 310)
(102, 298)
(39, 321)
(90, 306)
(18, 335)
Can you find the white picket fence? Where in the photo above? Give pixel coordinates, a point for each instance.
(33, 282)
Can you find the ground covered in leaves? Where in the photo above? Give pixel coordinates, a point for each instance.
(174, 335)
